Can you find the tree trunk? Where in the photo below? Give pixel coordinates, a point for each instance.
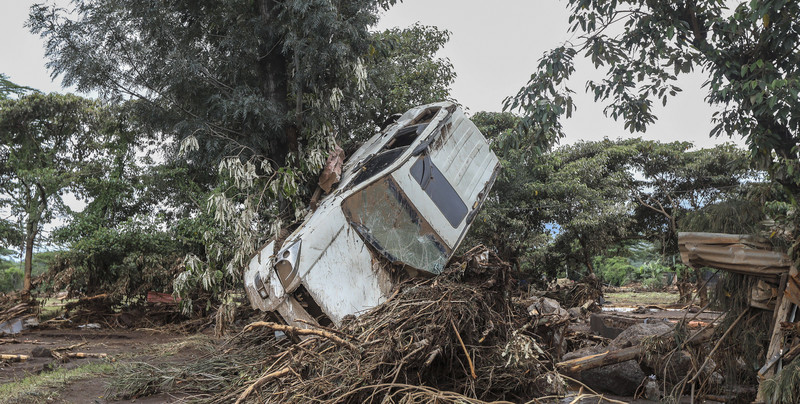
(26, 282)
(587, 259)
(274, 66)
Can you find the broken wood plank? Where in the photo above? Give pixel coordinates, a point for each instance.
(792, 291)
(71, 347)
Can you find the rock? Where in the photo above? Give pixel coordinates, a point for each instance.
(651, 390)
(547, 306)
(679, 365)
(551, 384)
(41, 352)
(585, 351)
(575, 313)
(634, 334)
(621, 379)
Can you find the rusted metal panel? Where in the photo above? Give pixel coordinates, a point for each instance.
(732, 252)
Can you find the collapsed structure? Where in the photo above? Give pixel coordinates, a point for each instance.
(777, 287)
(406, 197)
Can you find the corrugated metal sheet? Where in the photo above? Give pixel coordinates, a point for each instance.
(738, 253)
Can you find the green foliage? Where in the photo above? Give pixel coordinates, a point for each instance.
(636, 262)
(10, 276)
(8, 88)
(46, 142)
(250, 98)
(402, 71)
(588, 195)
(677, 181)
(139, 221)
(615, 271)
(510, 220)
(784, 388)
(558, 211)
(748, 55)
(42, 262)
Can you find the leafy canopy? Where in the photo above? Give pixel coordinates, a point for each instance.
(748, 55)
(45, 142)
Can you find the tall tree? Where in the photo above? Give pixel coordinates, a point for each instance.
(257, 91)
(675, 180)
(402, 71)
(748, 55)
(590, 193)
(512, 220)
(243, 77)
(9, 231)
(8, 88)
(44, 139)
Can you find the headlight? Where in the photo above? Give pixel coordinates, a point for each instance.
(286, 264)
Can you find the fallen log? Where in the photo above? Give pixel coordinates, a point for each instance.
(601, 359)
(85, 355)
(14, 358)
(610, 357)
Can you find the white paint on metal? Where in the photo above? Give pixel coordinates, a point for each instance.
(337, 268)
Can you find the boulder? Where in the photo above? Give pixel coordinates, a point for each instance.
(621, 379)
(634, 334)
(546, 306)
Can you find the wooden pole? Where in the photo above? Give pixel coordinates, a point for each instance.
(782, 310)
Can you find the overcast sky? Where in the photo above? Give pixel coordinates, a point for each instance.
(494, 47)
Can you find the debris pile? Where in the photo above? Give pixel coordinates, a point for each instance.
(459, 337)
(453, 338)
(15, 316)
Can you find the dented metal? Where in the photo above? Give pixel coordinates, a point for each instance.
(406, 197)
(738, 253)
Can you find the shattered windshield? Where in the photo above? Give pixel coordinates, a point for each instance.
(386, 219)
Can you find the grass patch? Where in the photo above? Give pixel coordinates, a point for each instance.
(52, 308)
(641, 298)
(45, 387)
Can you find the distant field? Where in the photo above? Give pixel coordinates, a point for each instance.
(641, 298)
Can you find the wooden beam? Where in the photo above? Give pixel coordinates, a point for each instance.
(782, 309)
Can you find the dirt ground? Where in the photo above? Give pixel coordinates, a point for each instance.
(48, 380)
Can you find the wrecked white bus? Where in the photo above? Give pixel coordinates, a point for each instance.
(406, 197)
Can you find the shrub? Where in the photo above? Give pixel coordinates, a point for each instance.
(613, 270)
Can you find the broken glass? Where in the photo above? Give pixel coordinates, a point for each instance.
(393, 149)
(385, 218)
